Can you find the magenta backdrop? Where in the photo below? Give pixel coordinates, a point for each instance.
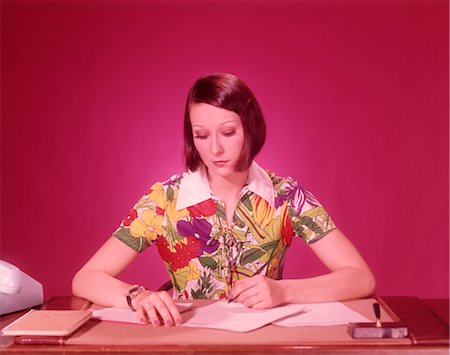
(355, 95)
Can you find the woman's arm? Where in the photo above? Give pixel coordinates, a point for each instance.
(349, 278)
(97, 282)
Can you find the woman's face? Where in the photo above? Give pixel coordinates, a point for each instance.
(218, 136)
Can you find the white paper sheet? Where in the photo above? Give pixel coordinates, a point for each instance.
(319, 314)
(235, 316)
(126, 315)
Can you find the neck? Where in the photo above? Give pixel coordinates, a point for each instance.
(228, 185)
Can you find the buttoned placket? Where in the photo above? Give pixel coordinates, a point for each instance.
(231, 246)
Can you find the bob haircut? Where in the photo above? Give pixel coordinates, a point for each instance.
(226, 91)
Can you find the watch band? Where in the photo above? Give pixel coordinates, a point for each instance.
(135, 291)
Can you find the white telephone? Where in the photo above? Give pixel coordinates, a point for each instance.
(17, 289)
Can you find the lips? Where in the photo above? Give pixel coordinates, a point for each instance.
(220, 163)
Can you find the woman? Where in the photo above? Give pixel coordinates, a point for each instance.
(223, 227)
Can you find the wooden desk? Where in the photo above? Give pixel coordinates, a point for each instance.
(269, 337)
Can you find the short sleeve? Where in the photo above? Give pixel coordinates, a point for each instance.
(310, 220)
(142, 226)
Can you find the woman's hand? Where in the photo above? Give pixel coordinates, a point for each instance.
(157, 307)
(258, 292)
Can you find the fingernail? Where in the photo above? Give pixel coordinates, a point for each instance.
(169, 322)
(156, 323)
(178, 321)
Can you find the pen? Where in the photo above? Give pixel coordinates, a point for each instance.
(377, 311)
(256, 273)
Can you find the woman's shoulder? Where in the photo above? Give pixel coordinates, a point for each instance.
(173, 182)
(161, 191)
(281, 183)
(288, 188)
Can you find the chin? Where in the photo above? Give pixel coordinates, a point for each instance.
(223, 172)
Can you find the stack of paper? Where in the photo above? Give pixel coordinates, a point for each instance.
(236, 317)
(320, 314)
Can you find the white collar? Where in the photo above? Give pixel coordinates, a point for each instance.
(194, 186)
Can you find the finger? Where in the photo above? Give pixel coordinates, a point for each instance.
(152, 314)
(162, 309)
(251, 297)
(263, 304)
(172, 307)
(241, 286)
(142, 314)
(245, 296)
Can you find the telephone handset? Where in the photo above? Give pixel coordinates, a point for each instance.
(17, 289)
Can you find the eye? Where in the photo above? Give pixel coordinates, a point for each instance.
(229, 133)
(200, 136)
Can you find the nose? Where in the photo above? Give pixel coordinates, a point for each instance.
(216, 146)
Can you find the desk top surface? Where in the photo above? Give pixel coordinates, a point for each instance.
(99, 337)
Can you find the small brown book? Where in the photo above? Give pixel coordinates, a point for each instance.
(48, 323)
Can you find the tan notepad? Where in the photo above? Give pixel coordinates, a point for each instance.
(47, 322)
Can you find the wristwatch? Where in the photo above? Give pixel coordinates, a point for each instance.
(135, 291)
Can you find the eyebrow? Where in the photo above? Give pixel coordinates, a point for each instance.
(230, 121)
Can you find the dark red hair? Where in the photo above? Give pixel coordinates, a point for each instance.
(230, 93)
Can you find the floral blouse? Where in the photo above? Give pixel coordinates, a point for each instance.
(202, 254)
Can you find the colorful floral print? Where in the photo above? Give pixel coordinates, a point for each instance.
(202, 254)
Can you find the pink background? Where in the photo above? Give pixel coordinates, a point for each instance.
(355, 95)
